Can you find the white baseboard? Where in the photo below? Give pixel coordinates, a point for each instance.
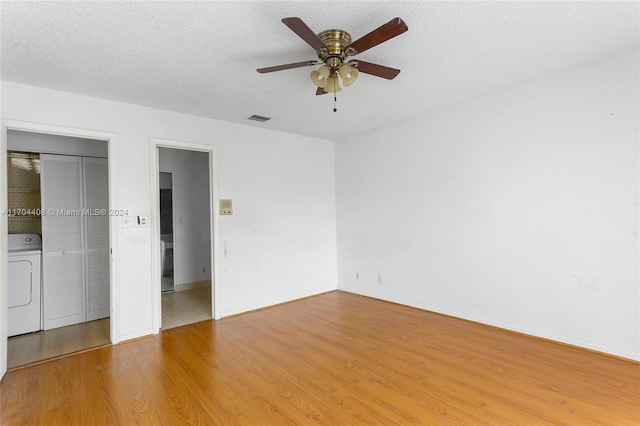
(588, 345)
(131, 336)
(191, 286)
(267, 304)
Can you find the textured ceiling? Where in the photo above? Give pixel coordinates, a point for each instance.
(200, 57)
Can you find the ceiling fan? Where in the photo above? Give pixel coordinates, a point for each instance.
(333, 47)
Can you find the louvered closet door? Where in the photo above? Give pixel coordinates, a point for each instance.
(96, 202)
(62, 265)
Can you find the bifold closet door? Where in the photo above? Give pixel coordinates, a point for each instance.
(96, 221)
(62, 242)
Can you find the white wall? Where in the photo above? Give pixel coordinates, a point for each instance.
(517, 209)
(281, 239)
(192, 248)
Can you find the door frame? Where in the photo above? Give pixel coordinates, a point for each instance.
(214, 206)
(173, 232)
(111, 139)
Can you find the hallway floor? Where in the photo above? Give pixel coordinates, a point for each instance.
(186, 307)
(34, 347)
(178, 308)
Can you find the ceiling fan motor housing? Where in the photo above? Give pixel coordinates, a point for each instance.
(335, 53)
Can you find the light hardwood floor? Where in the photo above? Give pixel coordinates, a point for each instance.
(336, 358)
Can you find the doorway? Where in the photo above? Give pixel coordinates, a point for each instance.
(194, 237)
(107, 326)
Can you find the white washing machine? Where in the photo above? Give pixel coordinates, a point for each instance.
(25, 288)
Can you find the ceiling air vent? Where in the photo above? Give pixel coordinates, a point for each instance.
(259, 118)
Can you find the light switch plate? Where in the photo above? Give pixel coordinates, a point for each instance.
(226, 207)
(141, 221)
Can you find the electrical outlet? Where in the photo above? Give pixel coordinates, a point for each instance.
(204, 270)
(380, 279)
(357, 275)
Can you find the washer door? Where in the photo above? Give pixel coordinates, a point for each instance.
(20, 283)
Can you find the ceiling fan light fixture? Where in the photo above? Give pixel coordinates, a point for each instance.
(333, 84)
(320, 76)
(349, 75)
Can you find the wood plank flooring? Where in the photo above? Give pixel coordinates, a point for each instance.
(337, 359)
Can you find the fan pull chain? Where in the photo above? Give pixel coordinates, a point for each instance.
(335, 97)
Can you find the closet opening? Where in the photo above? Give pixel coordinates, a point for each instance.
(58, 251)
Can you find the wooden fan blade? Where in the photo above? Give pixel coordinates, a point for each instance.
(305, 33)
(375, 69)
(320, 91)
(286, 66)
(393, 28)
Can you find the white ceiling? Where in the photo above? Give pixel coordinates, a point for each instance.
(200, 57)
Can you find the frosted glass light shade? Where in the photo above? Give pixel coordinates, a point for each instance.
(348, 74)
(320, 76)
(333, 85)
